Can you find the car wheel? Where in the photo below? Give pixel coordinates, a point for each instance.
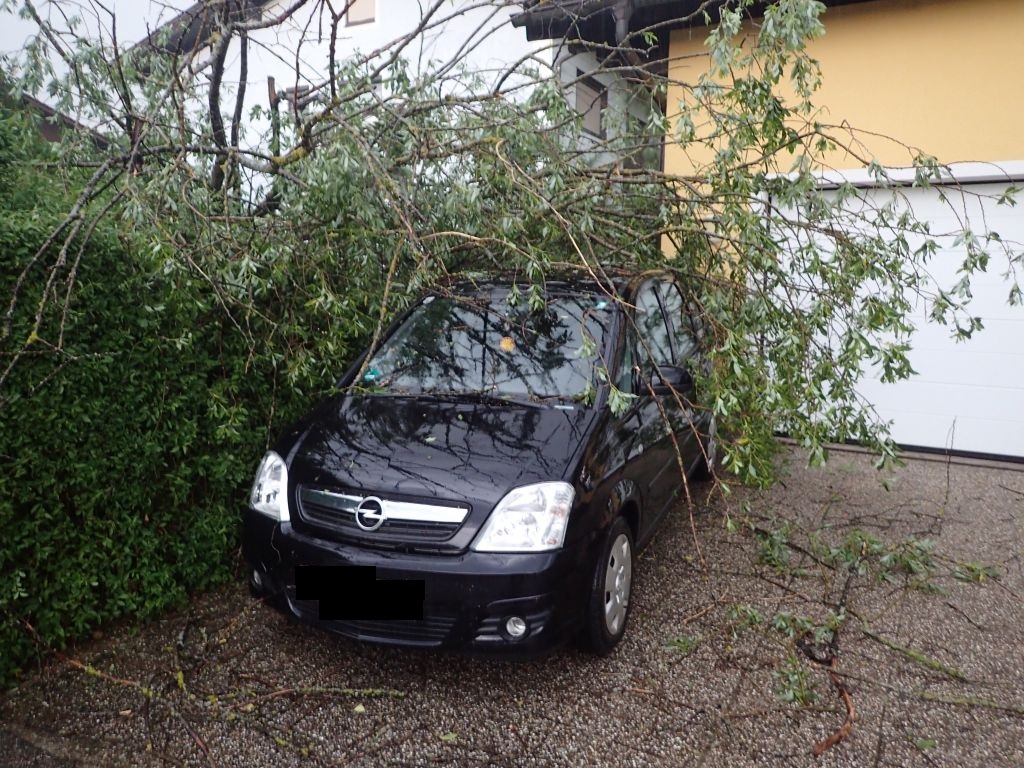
(708, 464)
(256, 588)
(611, 588)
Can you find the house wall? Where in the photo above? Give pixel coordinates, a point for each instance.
(477, 34)
(474, 36)
(626, 104)
(940, 75)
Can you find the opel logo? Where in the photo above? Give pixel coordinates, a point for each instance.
(370, 514)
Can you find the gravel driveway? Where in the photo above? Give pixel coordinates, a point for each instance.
(924, 580)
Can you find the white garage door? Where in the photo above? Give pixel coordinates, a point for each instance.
(967, 396)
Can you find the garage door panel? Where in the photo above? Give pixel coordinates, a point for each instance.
(989, 303)
(981, 369)
(994, 403)
(971, 200)
(958, 433)
(1000, 336)
(990, 289)
(967, 396)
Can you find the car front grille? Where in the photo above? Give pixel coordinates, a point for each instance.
(429, 631)
(405, 523)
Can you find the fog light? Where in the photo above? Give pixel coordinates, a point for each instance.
(256, 580)
(515, 626)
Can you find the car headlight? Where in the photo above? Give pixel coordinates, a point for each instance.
(269, 493)
(528, 519)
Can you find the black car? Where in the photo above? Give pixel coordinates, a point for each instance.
(471, 486)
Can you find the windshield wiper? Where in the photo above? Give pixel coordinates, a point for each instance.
(478, 397)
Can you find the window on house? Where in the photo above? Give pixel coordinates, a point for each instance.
(361, 12)
(591, 102)
(641, 149)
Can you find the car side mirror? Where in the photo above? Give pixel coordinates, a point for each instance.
(669, 378)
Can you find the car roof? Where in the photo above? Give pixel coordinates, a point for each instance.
(619, 281)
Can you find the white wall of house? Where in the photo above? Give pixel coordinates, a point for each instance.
(460, 37)
(474, 34)
(611, 105)
(463, 45)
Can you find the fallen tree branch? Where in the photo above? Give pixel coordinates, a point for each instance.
(971, 701)
(917, 656)
(355, 693)
(831, 660)
(851, 712)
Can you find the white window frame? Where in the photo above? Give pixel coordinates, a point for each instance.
(591, 103)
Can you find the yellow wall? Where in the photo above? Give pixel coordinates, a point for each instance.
(945, 76)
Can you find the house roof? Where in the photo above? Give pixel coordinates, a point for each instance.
(54, 123)
(191, 29)
(605, 22)
(195, 26)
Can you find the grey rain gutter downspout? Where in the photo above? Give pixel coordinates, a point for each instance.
(623, 12)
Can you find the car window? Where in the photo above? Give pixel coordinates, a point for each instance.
(682, 333)
(654, 333)
(624, 379)
(488, 346)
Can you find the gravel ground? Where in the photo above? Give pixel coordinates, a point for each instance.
(931, 651)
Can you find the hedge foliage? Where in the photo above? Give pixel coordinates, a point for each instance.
(124, 457)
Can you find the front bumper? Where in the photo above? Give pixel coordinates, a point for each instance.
(467, 597)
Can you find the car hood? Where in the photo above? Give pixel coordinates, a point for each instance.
(421, 447)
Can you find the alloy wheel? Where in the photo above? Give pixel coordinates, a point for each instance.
(617, 581)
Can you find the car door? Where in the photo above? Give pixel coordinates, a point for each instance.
(686, 354)
(660, 416)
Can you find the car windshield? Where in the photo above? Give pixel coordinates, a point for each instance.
(489, 347)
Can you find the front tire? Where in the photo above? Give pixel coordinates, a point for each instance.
(610, 591)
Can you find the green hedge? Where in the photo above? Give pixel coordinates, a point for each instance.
(121, 478)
